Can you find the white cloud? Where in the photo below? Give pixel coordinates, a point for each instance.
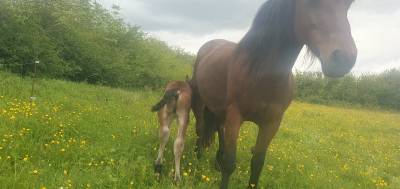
(192, 42)
(378, 40)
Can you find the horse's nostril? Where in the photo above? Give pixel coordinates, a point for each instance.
(339, 57)
(340, 63)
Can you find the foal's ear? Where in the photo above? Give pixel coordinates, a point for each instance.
(187, 79)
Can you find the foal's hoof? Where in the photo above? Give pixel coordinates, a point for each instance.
(177, 179)
(157, 169)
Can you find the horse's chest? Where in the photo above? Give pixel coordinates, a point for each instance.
(265, 102)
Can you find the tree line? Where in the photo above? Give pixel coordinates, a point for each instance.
(375, 90)
(79, 40)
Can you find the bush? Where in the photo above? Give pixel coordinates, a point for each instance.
(79, 40)
(380, 90)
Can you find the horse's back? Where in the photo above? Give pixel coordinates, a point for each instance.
(211, 71)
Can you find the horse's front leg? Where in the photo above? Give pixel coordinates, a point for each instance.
(233, 120)
(267, 131)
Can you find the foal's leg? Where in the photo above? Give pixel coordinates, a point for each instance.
(165, 118)
(232, 124)
(265, 134)
(183, 119)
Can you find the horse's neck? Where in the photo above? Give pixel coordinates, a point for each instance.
(280, 64)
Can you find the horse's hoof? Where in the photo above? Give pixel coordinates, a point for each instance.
(199, 154)
(217, 165)
(252, 186)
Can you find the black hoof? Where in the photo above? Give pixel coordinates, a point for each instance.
(217, 166)
(157, 169)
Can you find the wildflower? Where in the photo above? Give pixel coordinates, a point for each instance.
(69, 182)
(185, 174)
(62, 150)
(65, 172)
(345, 167)
(35, 171)
(270, 167)
(206, 178)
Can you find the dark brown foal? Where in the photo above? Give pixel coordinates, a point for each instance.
(252, 80)
(176, 103)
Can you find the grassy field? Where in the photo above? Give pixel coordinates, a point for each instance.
(81, 136)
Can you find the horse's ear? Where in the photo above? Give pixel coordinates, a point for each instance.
(187, 79)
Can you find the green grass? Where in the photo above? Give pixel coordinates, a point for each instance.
(81, 136)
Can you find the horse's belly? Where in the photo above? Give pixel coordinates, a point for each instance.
(211, 82)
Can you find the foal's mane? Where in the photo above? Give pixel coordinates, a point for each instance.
(272, 30)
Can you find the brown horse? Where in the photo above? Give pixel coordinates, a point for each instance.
(176, 103)
(252, 80)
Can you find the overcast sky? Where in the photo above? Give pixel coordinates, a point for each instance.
(190, 23)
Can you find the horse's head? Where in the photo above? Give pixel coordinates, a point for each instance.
(324, 27)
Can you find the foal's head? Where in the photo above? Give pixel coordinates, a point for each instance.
(324, 27)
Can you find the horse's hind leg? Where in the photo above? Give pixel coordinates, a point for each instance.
(183, 120)
(165, 118)
(233, 121)
(218, 157)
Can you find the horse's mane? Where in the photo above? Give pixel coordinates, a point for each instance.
(272, 30)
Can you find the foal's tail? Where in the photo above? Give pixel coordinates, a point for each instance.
(168, 97)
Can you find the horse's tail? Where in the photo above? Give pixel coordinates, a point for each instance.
(210, 127)
(169, 96)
